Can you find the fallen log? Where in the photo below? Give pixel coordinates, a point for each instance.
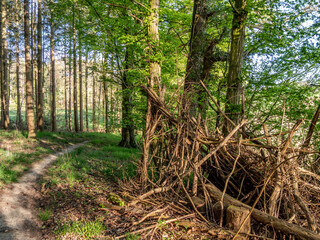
(278, 224)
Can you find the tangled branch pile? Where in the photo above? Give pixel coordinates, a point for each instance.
(189, 164)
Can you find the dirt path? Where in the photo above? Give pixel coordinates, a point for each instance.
(18, 216)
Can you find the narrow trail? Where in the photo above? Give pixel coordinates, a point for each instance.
(18, 216)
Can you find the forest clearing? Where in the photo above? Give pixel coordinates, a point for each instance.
(149, 119)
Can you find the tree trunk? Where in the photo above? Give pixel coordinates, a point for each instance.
(70, 83)
(105, 88)
(75, 92)
(234, 85)
(87, 114)
(65, 85)
(53, 79)
(19, 117)
(40, 82)
(153, 82)
(29, 102)
(4, 87)
(94, 121)
(127, 131)
(80, 85)
(99, 105)
(195, 63)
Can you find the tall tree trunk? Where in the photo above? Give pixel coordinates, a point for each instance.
(70, 82)
(65, 85)
(19, 118)
(80, 84)
(53, 79)
(39, 59)
(111, 109)
(153, 82)
(94, 120)
(234, 86)
(106, 101)
(4, 86)
(29, 103)
(195, 64)
(75, 92)
(127, 131)
(87, 114)
(99, 105)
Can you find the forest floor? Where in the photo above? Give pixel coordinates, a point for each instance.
(78, 197)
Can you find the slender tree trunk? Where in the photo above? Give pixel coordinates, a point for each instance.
(80, 84)
(99, 105)
(94, 120)
(234, 86)
(111, 109)
(53, 78)
(106, 100)
(34, 89)
(30, 110)
(65, 85)
(87, 114)
(39, 58)
(75, 92)
(4, 87)
(19, 118)
(70, 83)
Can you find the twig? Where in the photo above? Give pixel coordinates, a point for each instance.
(155, 225)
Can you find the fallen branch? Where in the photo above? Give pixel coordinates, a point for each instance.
(281, 225)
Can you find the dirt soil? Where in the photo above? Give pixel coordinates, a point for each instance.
(18, 215)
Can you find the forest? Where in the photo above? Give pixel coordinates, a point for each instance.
(159, 119)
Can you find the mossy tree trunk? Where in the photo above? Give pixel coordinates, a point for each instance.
(234, 81)
(195, 64)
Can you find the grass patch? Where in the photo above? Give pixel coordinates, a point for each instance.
(101, 157)
(84, 229)
(45, 214)
(17, 152)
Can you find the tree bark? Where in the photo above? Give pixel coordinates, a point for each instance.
(70, 83)
(19, 117)
(53, 79)
(195, 63)
(94, 120)
(4, 87)
(127, 131)
(86, 79)
(29, 102)
(80, 84)
(106, 100)
(153, 82)
(39, 58)
(75, 92)
(65, 85)
(234, 82)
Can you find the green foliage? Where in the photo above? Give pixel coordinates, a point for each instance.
(45, 214)
(84, 229)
